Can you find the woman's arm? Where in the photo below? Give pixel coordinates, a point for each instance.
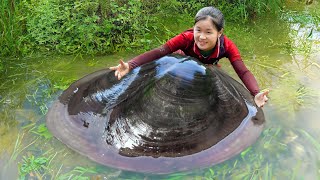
(124, 68)
(250, 82)
(181, 41)
(233, 54)
(149, 56)
(178, 42)
(246, 76)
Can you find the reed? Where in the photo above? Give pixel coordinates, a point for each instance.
(10, 28)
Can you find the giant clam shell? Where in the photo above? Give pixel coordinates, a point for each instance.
(173, 114)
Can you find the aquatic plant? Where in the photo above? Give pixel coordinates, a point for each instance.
(39, 162)
(32, 166)
(19, 147)
(78, 173)
(297, 95)
(42, 131)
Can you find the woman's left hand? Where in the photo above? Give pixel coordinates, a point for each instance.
(261, 98)
(121, 70)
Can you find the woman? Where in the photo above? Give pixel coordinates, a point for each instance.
(206, 42)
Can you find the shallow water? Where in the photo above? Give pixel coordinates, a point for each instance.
(282, 54)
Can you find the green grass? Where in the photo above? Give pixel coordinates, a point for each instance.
(10, 28)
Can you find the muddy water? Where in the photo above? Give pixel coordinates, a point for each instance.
(283, 55)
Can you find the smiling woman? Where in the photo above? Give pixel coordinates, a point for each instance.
(208, 29)
(205, 42)
(206, 35)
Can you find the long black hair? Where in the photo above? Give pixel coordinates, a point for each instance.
(213, 13)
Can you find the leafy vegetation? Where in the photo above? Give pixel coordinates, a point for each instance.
(105, 26)
(31, 164)
(11, 28)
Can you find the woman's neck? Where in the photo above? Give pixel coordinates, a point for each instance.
(207, 53)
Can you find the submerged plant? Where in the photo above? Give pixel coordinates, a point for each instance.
(19, 148)
(32, 166)
(42, 131)
(296, 94)
(311, 139)
(78, 173)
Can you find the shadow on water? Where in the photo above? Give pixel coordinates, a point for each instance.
(284, 56)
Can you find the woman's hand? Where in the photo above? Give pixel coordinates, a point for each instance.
(261, 98)
(121, 70)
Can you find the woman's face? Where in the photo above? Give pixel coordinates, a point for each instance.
(206, 34)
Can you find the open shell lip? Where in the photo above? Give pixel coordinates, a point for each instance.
(91, 142)
(241, 138)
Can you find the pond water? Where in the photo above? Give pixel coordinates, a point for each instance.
(284, 56)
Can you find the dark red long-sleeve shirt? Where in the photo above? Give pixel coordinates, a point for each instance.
(185, 42)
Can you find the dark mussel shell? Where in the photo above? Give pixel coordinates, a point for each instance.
(173, 114)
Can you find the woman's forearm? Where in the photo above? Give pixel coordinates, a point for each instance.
(149, 56)
(246, 77)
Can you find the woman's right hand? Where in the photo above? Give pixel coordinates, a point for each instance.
(261, 98)
(121, 70)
